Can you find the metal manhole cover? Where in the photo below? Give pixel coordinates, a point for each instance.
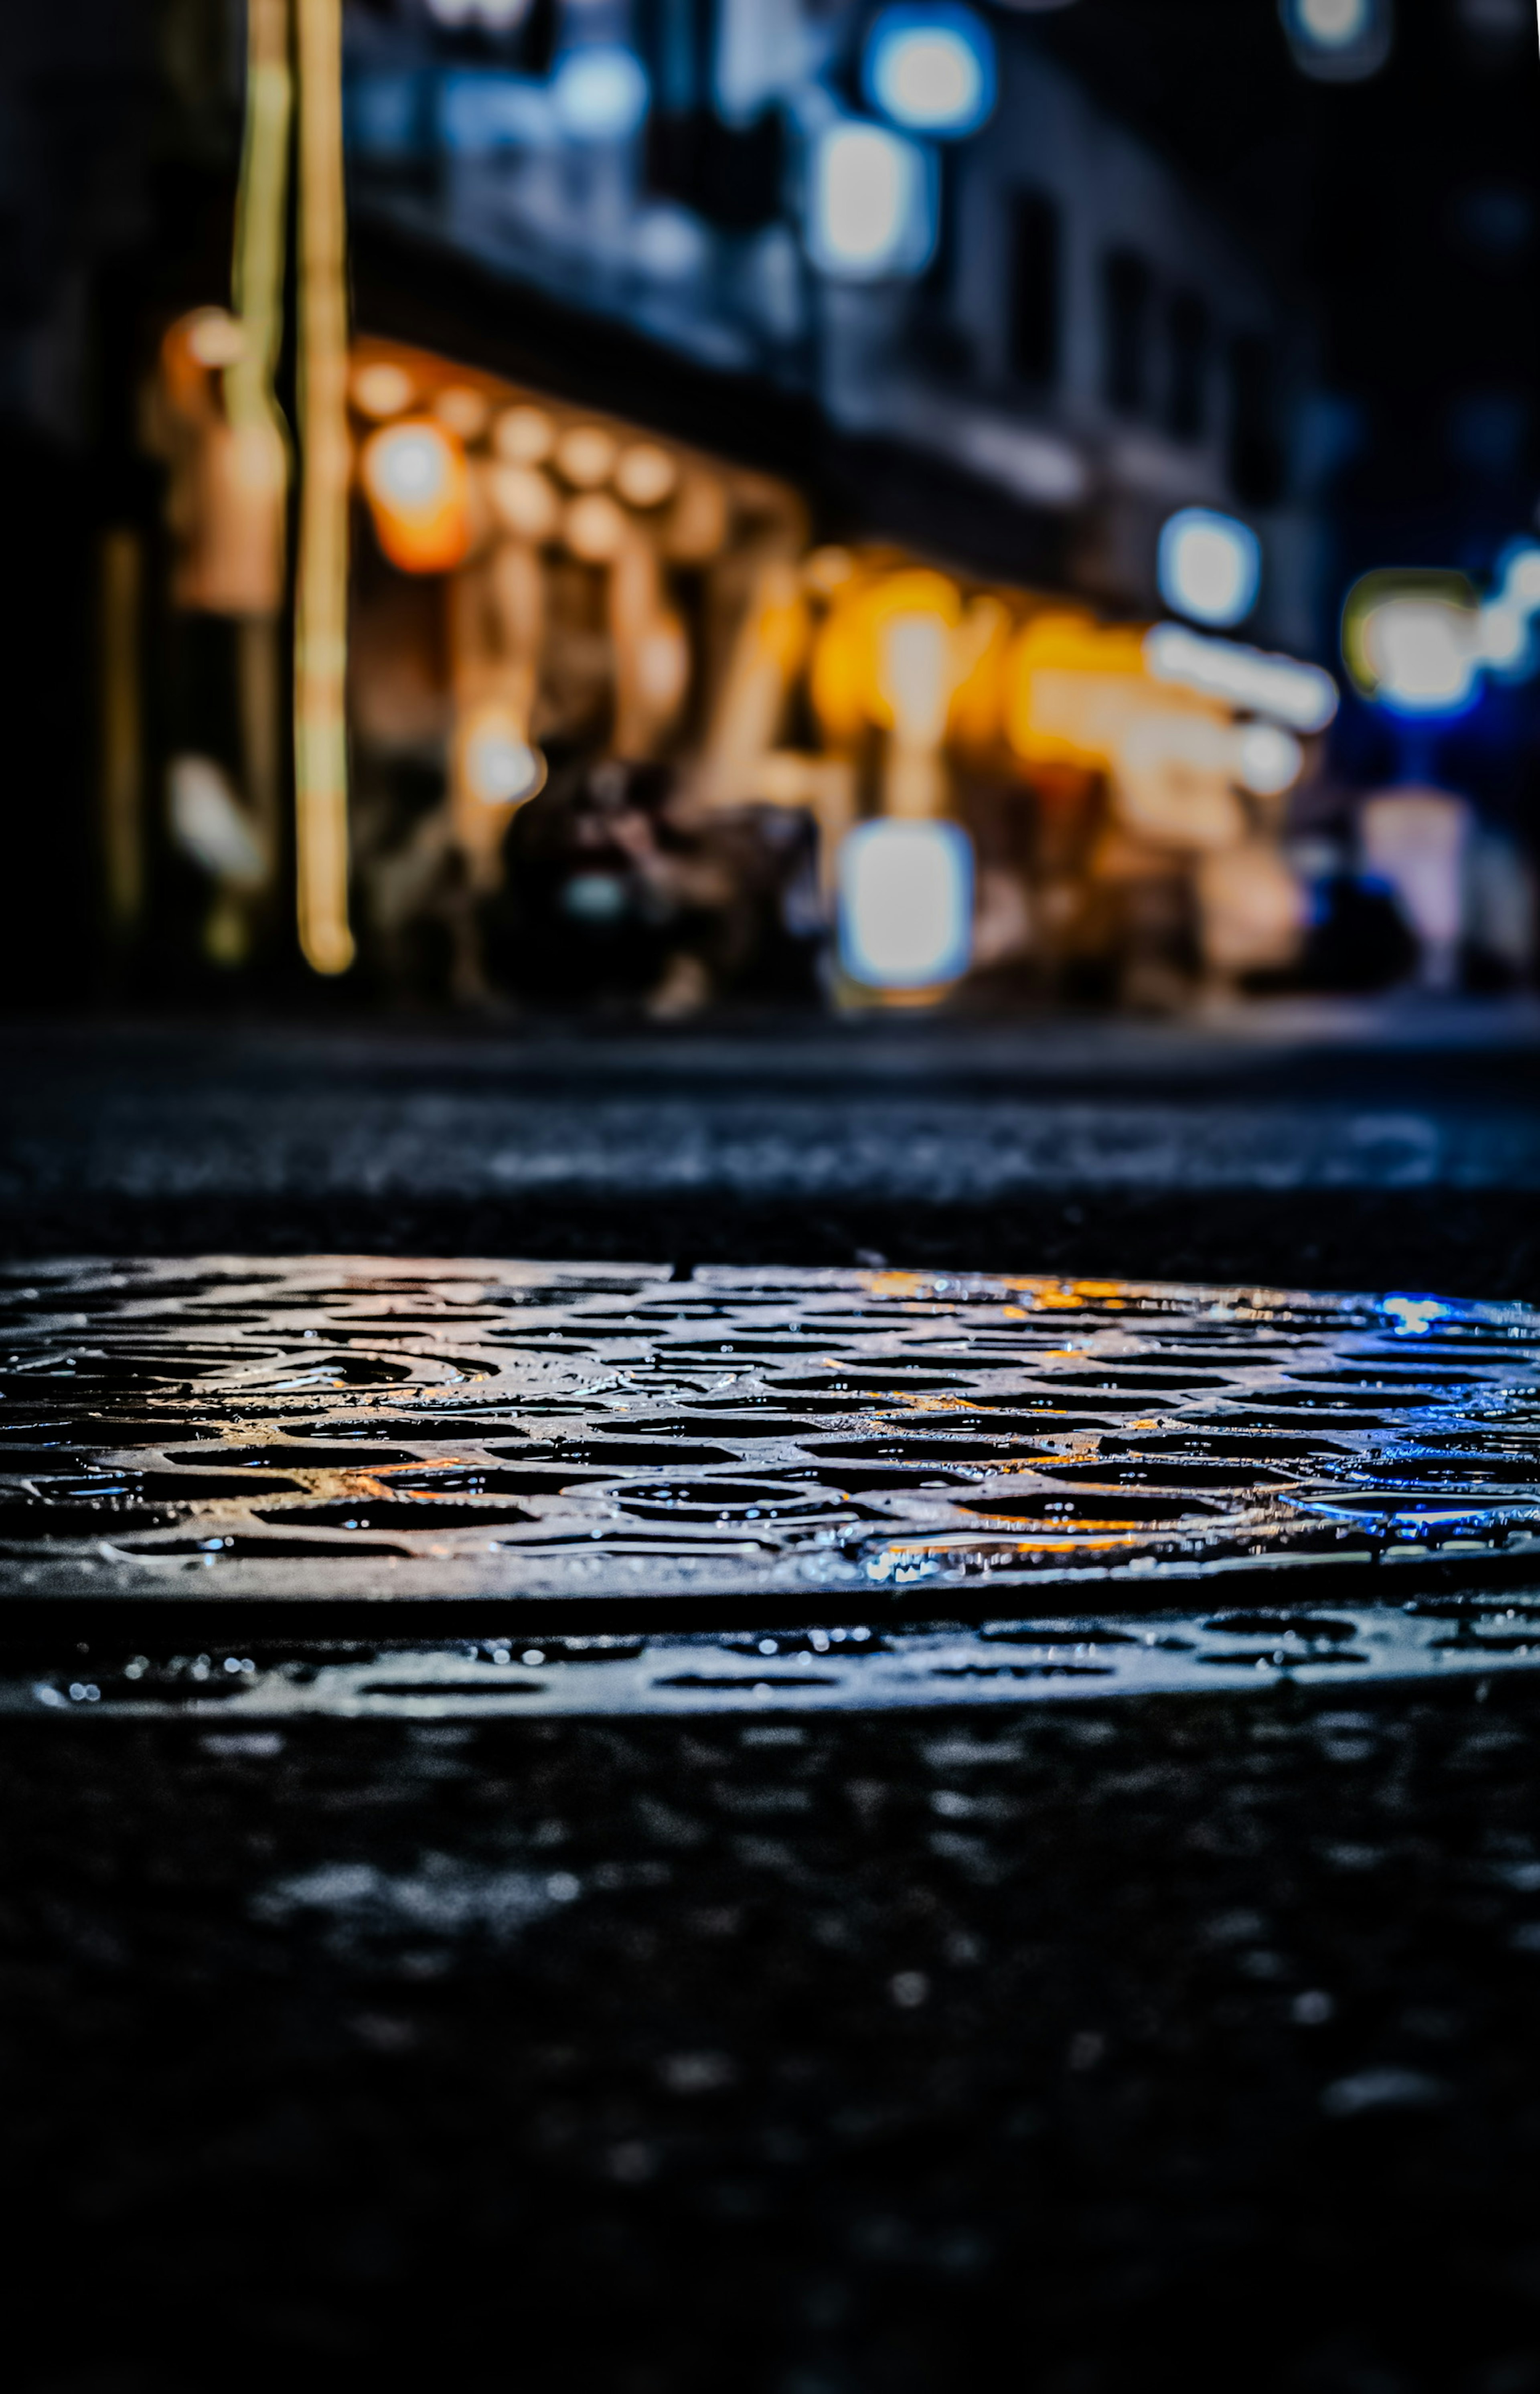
(365, 1429)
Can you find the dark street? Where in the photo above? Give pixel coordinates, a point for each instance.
(770, 1196)
(1102, 2028)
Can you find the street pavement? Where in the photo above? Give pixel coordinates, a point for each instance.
(1333, 1147)
(1154, 2041)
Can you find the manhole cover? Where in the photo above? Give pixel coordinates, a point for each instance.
(934, 1443)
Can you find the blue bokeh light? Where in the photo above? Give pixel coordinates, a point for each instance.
(1209, 566)
(600, 94)
(930, 68)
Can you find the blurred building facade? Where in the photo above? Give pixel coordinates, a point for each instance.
(1038, 304)
(786, 450)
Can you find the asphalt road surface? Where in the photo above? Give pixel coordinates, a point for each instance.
(1159, 2041)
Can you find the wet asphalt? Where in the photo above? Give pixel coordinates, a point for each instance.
(1172, 2041)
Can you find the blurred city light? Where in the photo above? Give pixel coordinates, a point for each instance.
(646, 475)
(1270, 760)
(522, 502)
(382, 390)
(1338, 41)
(1209, 566)
(481, 111)
(1303, 696)
(214, 337)
(599, 94)
(905, 904)
(525, 436)
(1416, 641)
(870, 203)
(585, 455)
(1411, 642)
(497, 15)
(1424, 654)
(414, 476)
(1332, 24)
(500, 767)
(1502, 640)
(1415, 840)
(931, 69)
(209, 822)
(1520, 576)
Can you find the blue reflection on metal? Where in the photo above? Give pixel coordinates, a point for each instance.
(1413, 1317)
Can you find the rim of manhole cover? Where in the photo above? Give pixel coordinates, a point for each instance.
(362, 1430)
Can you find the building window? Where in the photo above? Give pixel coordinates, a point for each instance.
(1187, 368)
(1034, 317)
(1256, 452)
(1126, 293)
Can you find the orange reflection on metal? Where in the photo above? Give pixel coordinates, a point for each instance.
(970, 1542)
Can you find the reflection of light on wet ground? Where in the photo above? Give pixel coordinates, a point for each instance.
(811, 1670)
(372, 1430)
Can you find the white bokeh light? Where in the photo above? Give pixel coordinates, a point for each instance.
(905, 904)
(1334, 23)
(501, 768)
(931, 70)
(1503, 636)
(1338, 41)
(1303, 696)
(1270, 760)
(1209, 566)
(867, 212)
(1521, 576)
(1425, 654)
(599, 94)
(409, 467)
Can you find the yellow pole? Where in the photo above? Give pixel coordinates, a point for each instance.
(256, 279)
(320, 599)
(257, 295)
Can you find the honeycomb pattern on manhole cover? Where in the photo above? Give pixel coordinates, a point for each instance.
(370, 1428)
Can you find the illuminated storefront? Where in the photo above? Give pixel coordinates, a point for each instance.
(623, 728)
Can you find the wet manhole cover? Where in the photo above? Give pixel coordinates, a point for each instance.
(1247, 1479)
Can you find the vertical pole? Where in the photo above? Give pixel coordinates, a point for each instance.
(257, 295)
(321, 598)
(257, 276)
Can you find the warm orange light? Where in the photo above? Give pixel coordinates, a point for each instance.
(525, 436)
(974, 718)
(414, 479)
(1069, 686)
(382, 388)
(585, 455)
(646, 475)
(523, 502)
(593, 527)
(465, 410)
(857, 659)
